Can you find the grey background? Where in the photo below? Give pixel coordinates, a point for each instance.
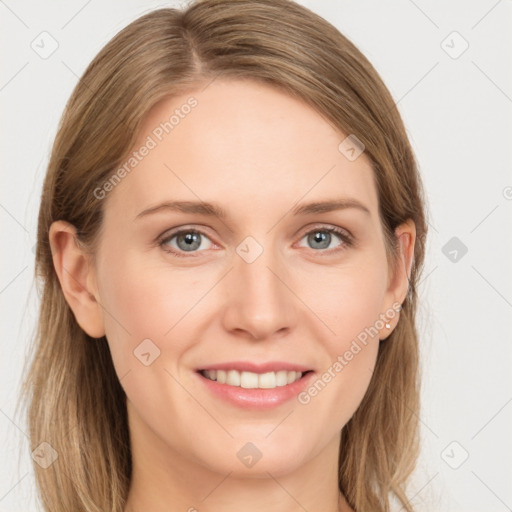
(457, 109)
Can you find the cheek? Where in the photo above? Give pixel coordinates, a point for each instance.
(143, 300)
(348, 298)
(149, 311)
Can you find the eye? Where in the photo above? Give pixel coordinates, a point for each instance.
(190, 241)
(323, 237)
(186, 240)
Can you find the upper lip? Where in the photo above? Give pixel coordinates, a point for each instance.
(248, 366)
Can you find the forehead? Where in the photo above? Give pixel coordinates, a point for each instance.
(243, 144)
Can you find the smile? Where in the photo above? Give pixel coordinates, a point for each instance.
(251, 380)
(256, 386)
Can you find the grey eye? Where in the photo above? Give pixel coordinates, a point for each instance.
(323, 238)
(188, 241)
(319, 239)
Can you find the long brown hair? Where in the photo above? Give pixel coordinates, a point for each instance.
(75, 401)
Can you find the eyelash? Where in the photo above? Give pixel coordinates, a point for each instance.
(346, 238)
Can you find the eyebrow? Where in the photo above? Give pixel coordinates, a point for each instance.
(214, 210)
(330, 206)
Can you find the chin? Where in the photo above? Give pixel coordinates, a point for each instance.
(258, 456)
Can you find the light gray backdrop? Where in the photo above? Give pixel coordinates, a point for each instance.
(448, 66)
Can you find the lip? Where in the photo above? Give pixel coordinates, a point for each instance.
(256, 399)
(250, 366)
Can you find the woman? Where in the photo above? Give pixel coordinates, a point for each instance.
(230, 237)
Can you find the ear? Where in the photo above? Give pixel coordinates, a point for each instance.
(398, 286)
(77, 278)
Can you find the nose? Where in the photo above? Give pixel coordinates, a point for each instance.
(260, 303)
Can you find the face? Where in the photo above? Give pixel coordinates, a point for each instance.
(215, 263)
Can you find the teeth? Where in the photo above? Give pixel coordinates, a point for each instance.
(291, 377)
(282, 378)
(233, 378)
(267, 380)
(250, 380)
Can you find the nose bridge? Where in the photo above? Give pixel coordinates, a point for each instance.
(260, 303)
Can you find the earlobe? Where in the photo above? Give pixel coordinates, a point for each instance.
(77, 278)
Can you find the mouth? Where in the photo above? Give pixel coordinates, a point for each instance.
(252, 380)
(251, 386)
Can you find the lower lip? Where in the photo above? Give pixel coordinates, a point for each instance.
(259, 399)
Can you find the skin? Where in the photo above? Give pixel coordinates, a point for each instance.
(256, 152)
